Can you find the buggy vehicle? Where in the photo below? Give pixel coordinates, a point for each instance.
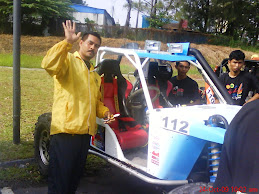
(153, 140)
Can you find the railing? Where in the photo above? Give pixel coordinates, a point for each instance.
(139, 34)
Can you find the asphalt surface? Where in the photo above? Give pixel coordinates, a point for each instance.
(111, 181)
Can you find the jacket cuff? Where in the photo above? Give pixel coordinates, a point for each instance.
(69, 45)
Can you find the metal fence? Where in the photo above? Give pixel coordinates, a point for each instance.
(140, 34)
(137, 34)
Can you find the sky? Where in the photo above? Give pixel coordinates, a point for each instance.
(119, 14)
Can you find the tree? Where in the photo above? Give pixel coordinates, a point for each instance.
(90, 24)
(160, 12)
(197, 13)
(138, 8)
(127, 23)
(237, 19)
(36, 15)
(77, 1)
(251, 21)
(6, 7)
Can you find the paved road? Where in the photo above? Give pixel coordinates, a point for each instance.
(111, 181)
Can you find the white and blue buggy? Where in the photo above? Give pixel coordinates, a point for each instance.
(162, 145)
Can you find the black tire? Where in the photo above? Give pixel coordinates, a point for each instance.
(41, 142)
(192, 188)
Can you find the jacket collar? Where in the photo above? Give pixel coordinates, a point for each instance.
(77, 55)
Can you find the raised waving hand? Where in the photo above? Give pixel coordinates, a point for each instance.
(70, 32)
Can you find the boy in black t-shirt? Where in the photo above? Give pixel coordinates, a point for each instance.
(237, 82)
(185, 90)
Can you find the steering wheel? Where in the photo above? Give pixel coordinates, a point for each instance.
(132, 102)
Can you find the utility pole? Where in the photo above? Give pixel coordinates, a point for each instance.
(16, 70)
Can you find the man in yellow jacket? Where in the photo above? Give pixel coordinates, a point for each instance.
(77, 102)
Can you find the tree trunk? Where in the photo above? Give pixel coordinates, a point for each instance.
(138, 14)
(153, 8)
(169, 5)
(127, 24)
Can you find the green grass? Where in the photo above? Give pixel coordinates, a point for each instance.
(26, 172)
(127, 68)
(28, 61)
(29, 175)
(36, 98)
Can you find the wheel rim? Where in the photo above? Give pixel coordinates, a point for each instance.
(44, 147)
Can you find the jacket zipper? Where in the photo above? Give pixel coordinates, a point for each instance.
(89, 97)
(90, 109)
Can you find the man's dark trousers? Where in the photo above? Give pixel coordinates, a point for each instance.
(67, 161)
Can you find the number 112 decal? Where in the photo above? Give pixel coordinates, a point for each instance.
(177, 125)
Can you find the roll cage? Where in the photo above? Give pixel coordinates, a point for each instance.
(140, 58)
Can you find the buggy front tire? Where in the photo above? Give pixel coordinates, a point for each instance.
(41, 142)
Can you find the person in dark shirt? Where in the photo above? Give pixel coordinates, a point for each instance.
(237, 82)
(185, 90)
(239, 166)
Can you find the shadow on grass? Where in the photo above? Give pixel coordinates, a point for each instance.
(28, 175)
(10, 151)
(21, 176)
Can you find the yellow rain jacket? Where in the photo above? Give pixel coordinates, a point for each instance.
(77, 96)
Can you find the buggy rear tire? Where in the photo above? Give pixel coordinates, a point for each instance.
(41, 142)
(192, 188)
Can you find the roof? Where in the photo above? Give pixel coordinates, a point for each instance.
(87, 9)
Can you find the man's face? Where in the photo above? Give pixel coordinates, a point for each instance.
(89, 47)
(235, 65)
(183, 68)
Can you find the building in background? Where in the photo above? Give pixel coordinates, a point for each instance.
(99, 16)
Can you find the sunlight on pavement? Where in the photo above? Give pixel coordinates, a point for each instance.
(7, 190)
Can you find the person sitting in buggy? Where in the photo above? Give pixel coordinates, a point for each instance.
(185, 90)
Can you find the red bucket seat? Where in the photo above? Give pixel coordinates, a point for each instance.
(115, 90)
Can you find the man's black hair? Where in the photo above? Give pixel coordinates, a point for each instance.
(178, 62)
(237, 54)
(85, 36)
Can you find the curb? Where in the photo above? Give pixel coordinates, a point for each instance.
(17, 162)
(24, 68)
